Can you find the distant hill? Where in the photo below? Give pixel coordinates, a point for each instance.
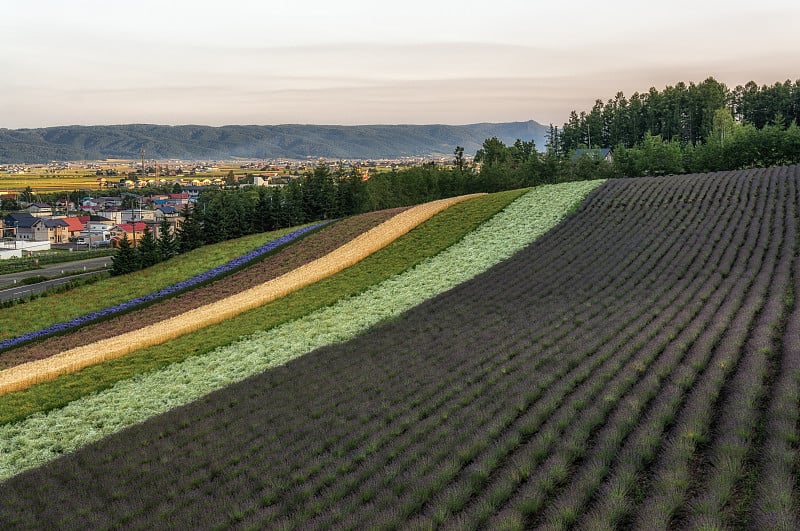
(254, 141)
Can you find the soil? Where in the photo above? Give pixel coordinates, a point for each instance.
(306, 250)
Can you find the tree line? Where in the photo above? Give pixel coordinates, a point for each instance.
(222, 214)
(681, 129)
(683, 112)
(731, 145)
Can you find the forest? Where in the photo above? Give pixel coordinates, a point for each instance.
(686, 128)
(686, 113)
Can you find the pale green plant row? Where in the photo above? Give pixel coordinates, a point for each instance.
(44, 436)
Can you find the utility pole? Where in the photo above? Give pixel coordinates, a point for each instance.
(142, 161)
(133, 218)
(588, 130)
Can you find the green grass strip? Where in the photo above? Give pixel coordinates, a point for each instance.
(44, 436)
(60, 307)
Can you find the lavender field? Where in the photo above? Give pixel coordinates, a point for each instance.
(636, 367)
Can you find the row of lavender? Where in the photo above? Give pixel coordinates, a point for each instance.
(170, 291)
(618, 372)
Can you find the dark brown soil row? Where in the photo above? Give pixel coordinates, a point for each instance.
(310, 248)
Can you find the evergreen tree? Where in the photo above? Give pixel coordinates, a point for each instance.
(264, 214)
(208, 211)
(319, 194)
(167, 243)
(190, 233)
(125, 260)
(351, 194)
(458, 161)
(236, 214)
(293, 204)
(147, 249)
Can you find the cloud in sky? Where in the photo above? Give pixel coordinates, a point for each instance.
(352, 62)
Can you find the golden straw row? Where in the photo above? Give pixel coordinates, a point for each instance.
(25, 375)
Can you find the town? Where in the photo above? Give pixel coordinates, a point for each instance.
(101, 222)
(95, 204)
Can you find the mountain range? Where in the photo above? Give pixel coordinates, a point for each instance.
(197, 142)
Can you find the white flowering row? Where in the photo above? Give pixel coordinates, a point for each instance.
(44, 436)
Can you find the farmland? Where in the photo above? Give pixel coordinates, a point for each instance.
(46, 182)
(636, 366)
(350, 253)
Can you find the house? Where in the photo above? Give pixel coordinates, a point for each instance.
(107, 202)
(138, 214)
(52, 230)
(269, 181)
(89, 204)
(178, 200)
(40, 210)
(9, 200)
(170, 213)
(97, 223)
(134, 232)
(96, 229)
(22, 225)
(74, 226)
(114, 214)
(65, 205)
(20, 248)
(156, 200)
(193, 192)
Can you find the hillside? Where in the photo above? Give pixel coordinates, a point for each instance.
(193, 142)
(637, 366)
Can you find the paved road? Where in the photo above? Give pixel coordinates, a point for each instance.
(21, 292)
(54, 270)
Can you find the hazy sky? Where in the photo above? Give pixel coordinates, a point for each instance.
(366, 62)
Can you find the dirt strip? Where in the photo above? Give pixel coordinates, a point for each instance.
(27, 374)
(309, 248)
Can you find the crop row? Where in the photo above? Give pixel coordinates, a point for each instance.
(169, 291)
(165, 387)
(27, 374)
(62, 307)
(679, 367)
(300, 252)
(630, 355)
(592, 380)
(426, 240)
(658, 347)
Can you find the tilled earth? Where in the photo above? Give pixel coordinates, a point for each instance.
(308, 249)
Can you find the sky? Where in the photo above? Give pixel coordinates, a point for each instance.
(94, 62)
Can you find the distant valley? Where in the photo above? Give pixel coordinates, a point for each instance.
(67, 143)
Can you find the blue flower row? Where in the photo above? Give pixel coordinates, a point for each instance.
(211, 274)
